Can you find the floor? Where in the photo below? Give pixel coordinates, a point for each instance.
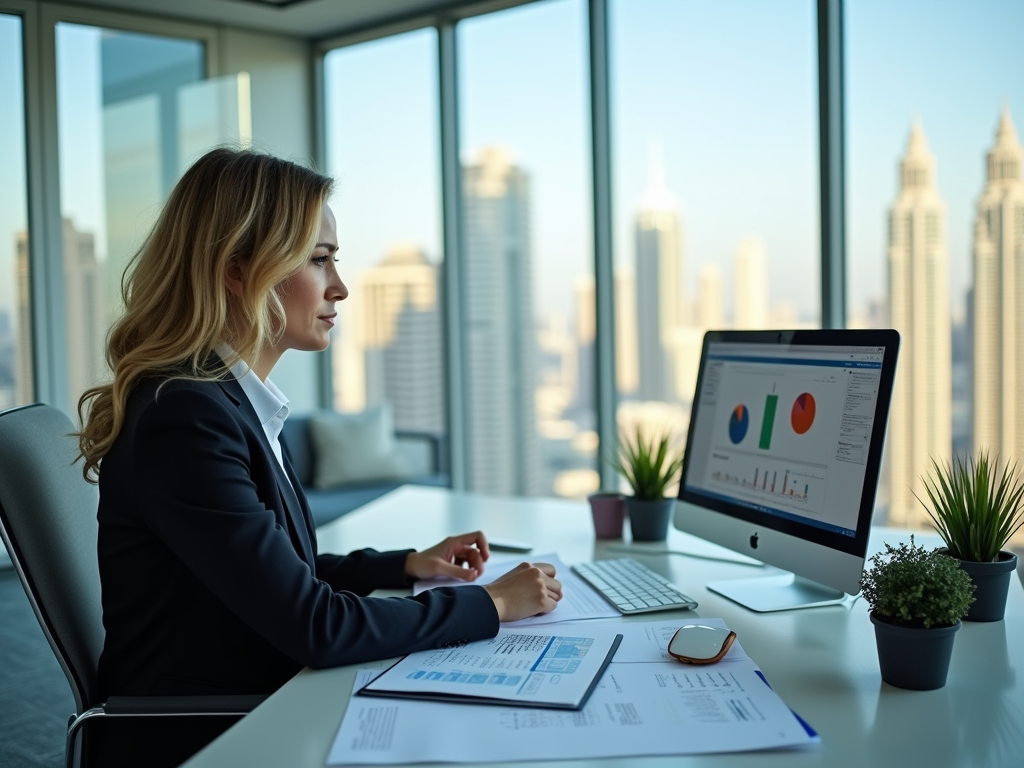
(35, 700)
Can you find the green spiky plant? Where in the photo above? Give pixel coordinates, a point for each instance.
(649, 466)
(976, 505)
(910, 586)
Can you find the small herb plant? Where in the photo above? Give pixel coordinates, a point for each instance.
(649, 465)
(976, 505)
(910, 586)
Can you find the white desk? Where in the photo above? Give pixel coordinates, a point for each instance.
(822, 661)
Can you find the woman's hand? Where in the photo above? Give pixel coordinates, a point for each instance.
(457, 557)
(525, 591)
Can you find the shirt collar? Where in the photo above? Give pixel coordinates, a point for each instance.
(267, 400)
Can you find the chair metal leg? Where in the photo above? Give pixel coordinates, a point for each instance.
(75, 727)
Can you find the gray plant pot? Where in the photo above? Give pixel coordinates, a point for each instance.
(648, 518)
(991, 581)
(917, 659)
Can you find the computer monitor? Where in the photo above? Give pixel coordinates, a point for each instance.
(782, 457)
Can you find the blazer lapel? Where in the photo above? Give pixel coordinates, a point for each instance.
(288, 500)
(307, 514)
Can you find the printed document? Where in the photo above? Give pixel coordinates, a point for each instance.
(648, 642)
(515, 668)
(648, 707)
(579, 600)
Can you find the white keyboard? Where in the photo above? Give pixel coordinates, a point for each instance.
(632, 587)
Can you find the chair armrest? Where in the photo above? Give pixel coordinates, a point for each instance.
(182, 705)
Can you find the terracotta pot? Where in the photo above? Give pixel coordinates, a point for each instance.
(609, 512)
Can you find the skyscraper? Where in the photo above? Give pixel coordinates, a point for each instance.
(709, 315)
(920, 420)
(659, 288)
(627, 367)
(501, 345)
(750, 285)
(24, 386)
(401, 338)
(86, 309)
(998, 322)
(625, 336)
(85, 313)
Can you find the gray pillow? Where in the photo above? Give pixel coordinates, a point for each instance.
(349, 448)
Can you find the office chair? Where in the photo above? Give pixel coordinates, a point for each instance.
(48, 524)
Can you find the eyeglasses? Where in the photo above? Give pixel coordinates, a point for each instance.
(700, 644)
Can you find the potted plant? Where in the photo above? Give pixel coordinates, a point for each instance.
(917, 599)
(649, 466)
(976, 506)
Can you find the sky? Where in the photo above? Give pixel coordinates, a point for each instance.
(728, 88)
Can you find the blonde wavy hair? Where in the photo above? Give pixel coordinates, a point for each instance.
(231, 207)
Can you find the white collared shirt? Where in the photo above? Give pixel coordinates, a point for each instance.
(267, 400)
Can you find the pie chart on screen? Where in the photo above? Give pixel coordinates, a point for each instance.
(738, 423)
(802, 416)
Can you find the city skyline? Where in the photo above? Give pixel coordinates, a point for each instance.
(739, 144)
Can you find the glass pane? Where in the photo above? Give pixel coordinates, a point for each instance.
(714, 111)
(119, 118)
(382, 147)
(16, 386)
(528, 280)
(936, 225)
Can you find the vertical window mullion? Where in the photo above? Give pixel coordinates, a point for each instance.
(604, 281)
(832, 165)
(451, 233)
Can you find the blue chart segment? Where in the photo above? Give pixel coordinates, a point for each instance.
(738, 423)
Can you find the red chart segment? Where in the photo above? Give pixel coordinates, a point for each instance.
(802, 416)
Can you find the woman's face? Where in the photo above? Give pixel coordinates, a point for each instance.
(309, 295)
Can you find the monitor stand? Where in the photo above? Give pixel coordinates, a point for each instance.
(780, 592)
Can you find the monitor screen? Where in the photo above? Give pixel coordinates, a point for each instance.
(784, 447)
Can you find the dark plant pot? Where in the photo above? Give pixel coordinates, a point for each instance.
(917, 659)
(992, 581)
(609, 512)
(648, 518)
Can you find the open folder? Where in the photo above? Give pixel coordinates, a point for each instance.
(528, 669)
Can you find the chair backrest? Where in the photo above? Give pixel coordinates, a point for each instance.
(48, 523)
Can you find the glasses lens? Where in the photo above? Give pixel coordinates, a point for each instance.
(697, 643)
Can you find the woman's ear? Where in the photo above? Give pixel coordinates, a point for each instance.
(234, 276)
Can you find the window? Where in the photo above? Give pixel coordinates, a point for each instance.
(16, 384)
(528, 296)
(715, 199)
(122, 103)
(932, 145)
(382, 148)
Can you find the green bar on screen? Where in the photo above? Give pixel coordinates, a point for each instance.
(769, 422)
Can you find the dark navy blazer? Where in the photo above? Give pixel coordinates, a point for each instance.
(209, 567)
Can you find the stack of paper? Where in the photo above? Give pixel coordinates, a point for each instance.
(643, 705)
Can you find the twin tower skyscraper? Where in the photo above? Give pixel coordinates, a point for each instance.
(920, 423)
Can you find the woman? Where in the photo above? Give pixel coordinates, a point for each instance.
(211, 579)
